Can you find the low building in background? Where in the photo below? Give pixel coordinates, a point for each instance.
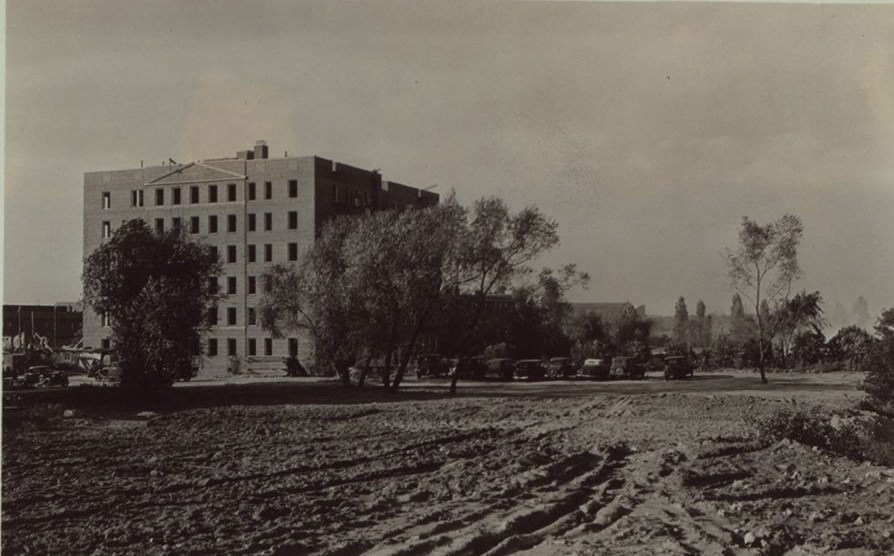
(256, 211)
(50, 326)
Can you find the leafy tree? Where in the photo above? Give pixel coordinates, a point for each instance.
(701, 326)
(724, 351)
(158, 290)
(799, 314)
(315, 298)
(631, 332)
(879, 363)
(808, 347)
(850, 345)
(681, 322)
(495, 248)
(763, 266)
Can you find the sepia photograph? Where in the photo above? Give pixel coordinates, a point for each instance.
(294, 277)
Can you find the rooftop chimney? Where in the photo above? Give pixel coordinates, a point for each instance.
(261, 149)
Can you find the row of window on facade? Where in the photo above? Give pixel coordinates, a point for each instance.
(231, 285)
(212, 227)
(232, 347)
(252, 252)
(251, 347)
(213, 317)
(137, 198)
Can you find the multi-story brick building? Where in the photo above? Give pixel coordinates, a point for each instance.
(255, 210)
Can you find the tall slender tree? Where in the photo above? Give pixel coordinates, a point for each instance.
(681, 322)
(763, 267)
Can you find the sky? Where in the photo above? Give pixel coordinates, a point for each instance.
(646, 130)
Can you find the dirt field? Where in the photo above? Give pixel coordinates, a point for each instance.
(552, 468)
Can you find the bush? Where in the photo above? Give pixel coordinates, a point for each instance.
(860, 435)
(879, 367)
(812, 427)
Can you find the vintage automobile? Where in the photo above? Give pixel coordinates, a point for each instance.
(627, 367)
(529, 369)
(595, 369)
(561, 367)
(677, 366)
(43, 376)
(500, 369)
(430, 365)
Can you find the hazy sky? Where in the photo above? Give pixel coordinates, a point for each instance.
(646, 130)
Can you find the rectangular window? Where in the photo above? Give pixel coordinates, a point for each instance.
(231, 285)
(212, 224)
(133, 197)
(268, 221)
(105, 320)
(252, 222)
(293, 347)
(293, 188)
(212, 250)
(252, 316)
(193, 224)
(159, 197)
(176, 224)
(106, 229)
(251, 191)
(268, 346)
(231, 222)
(159, 225)
(194, 194)
(231, 316)
(212, 285)
(252, 346)
(268, 190)
(293, 219)
(106, 343)
(268, 284)
(106, 200)
(252, 253)
(252, 284)
(231, 347)
(212, 347)
(293, 251)
(212, 193)
(231, 192)
(140, 195)
(176, 196)
(268, 252)
(212, 316)
(231, 253)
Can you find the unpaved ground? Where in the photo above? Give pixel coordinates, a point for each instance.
(628, 468)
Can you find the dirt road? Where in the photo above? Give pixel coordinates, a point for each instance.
(555, 468)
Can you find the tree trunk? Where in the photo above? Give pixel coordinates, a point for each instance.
(362, 380)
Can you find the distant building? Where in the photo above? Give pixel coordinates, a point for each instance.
(607, 311)
(255, 210)
(58, 324)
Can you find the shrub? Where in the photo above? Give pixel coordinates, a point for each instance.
(843, 435)
(879, 367)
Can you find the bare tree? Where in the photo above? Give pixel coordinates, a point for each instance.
(763, 266)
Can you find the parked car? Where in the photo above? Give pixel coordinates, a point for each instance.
(627, 367)
(529, 369)
(430, 365)
(677, 366)
(500, 369)
(561, 367)
(42, 376)
(595, 369)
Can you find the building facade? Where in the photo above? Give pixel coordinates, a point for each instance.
(256, 211)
